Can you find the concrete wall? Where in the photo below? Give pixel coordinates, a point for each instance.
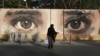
(34, 23)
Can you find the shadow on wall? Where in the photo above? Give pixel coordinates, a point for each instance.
(90, 38)
(5, 37)
(35, 37)
(87, 37)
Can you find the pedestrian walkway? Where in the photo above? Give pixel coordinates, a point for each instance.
(82, 43)
(15, 43)
(62, 43)
(61, 48)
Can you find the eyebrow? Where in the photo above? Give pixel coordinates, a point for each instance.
(34, 14)
(27, 12)
(73, 12)
(77, 13)
(23, 12)
(80, 17)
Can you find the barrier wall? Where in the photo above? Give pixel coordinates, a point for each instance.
(33, 24)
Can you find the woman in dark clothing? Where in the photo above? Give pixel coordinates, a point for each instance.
(51, 36)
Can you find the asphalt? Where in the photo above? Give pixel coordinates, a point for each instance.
(77, 48)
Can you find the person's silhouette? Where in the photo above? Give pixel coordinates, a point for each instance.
(51, 36)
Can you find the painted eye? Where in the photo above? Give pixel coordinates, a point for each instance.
(25, 24)
(79, 25)
(76, 25)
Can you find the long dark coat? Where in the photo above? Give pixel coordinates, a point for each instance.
(52, 33)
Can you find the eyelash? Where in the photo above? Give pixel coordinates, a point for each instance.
(22, 19)
(83, 19)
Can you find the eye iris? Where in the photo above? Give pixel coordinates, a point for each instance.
(26, 24)
(75, 24)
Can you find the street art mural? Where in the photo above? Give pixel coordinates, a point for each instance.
(82, 24)
(32, 24)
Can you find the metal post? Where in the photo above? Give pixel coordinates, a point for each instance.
(3, 3)
(70, 38)
(54, 3)
(26, 3)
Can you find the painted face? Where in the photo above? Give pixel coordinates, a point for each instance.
(32, 21)
(81, 23)
(29, 21)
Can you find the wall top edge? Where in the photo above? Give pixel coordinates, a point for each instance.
(47, 8)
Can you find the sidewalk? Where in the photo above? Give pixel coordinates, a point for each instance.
(96, 43)
(57, 43)
(73, 43)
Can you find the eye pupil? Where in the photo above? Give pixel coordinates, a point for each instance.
(75, 24)
(26, 21)
(26, 24)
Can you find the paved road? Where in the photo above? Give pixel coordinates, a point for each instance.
(76, 49)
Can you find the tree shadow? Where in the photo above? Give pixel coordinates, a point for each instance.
(37, 43)
(90, 38)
